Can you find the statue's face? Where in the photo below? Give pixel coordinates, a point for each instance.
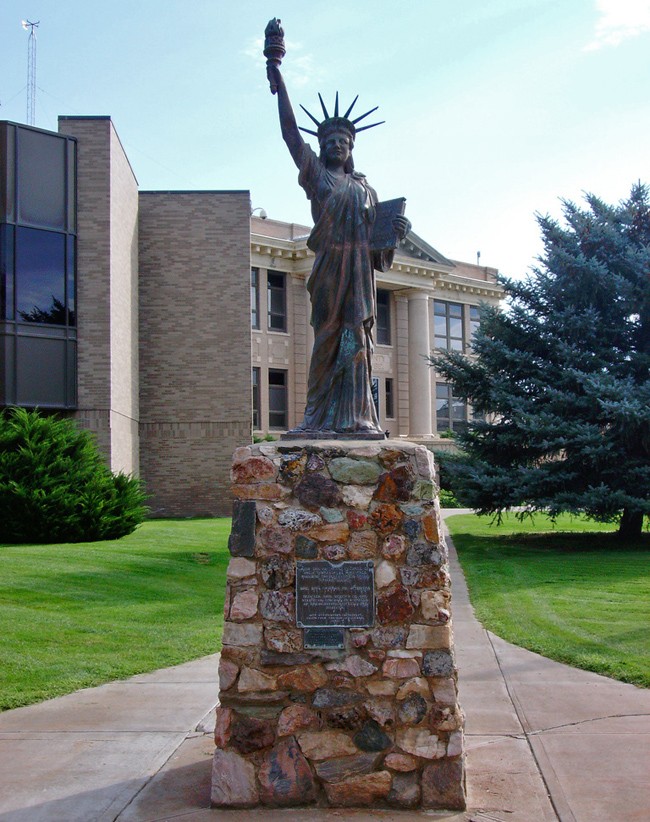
(336, 148)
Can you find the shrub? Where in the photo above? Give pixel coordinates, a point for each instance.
(448, 499)
(55, 487)
(447, 496)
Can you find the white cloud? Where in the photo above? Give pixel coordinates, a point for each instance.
(619, 20)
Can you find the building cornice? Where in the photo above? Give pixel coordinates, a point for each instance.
(293, 256)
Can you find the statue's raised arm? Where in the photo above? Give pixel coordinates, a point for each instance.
(274, 51)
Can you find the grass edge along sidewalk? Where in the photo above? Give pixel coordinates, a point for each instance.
(78, 615)
(571, 590)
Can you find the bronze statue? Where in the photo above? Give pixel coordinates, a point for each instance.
(342, 280)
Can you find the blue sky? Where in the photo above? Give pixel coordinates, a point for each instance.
(494, 109)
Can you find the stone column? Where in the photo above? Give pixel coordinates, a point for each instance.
(402, 353)
(338, 677)
(419, 369)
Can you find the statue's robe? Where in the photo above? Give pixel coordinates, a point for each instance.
(342, 291)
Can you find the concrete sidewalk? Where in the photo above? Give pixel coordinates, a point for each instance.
(544, 742)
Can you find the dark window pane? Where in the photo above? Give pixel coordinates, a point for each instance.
(7, 370)
(256, 398)
(40, 276)
(41, 179)
(7, 159)
(71, 369)
(41, 372)
(72, 185)
(277, 301)
(255, 298)
(390, 400)
(383, 316)
(277, 398)
(375, 393)
(71, 295)
(6, 272)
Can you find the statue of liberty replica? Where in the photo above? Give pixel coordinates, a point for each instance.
(353, 236)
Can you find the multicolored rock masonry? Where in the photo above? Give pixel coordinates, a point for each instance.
(376, 724)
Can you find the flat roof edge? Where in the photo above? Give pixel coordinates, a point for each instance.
(199, 191)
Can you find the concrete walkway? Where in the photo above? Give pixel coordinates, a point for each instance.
(545, 742)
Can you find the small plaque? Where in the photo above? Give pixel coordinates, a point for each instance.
(324, 638)
(335, 595)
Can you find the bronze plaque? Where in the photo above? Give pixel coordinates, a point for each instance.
(335, 595)
(331, 638)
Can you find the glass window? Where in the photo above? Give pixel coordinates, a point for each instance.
(383, 316)
(256, 399)
(390, 398)
(44, 385)
(255, 298)
(41, 277)
(448, 325)
(277, 398)
(41, 179)
(375, 393)
(37, 268)
(6, 272)
(70, 290)
(277, 301)
(7, 177)
(474, 320)
(451, 412)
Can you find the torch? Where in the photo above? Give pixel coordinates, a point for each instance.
(274, 49)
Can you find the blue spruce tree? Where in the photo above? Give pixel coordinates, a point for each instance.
(562, 375)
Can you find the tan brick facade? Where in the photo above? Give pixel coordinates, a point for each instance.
(107, 278)
(164, 378)
(195, 346)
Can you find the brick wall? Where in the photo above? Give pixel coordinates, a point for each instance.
(195, 346)
(107, 310)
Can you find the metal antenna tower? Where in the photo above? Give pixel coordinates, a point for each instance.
(31, 70)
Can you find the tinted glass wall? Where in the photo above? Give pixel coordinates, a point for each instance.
(38, 336)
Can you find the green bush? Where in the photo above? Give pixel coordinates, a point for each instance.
(448, 499)
(55, 487)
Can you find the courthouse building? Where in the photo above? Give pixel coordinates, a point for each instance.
(175, 325)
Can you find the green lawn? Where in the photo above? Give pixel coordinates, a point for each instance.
(571, 592)
(78, 615)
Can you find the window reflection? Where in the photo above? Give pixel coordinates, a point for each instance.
(6, 272)
(41, 277)
(451, 411)
(448, 325)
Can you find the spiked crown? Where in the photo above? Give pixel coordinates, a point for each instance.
(336, 122)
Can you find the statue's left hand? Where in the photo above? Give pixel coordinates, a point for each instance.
(402, 226)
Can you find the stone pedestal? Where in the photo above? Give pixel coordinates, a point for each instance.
(347, 699)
